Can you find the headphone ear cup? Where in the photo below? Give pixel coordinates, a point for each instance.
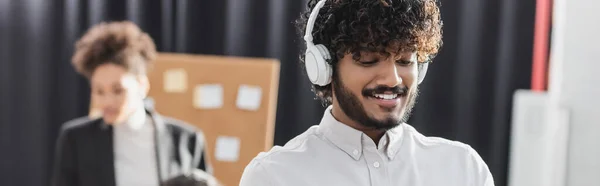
(423, 72)
(317, 68)
(310, 63)
(326, 72)
(324, 51)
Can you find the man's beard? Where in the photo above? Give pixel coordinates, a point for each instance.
(353, 108)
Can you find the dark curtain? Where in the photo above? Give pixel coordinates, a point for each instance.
(467, 95)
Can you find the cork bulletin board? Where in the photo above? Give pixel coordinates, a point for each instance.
(232, 99)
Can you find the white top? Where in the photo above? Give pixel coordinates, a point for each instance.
(134, 151)
(334, 154)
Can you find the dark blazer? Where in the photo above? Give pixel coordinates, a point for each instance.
(84, 151)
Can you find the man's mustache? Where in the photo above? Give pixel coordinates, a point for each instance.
(381, 89)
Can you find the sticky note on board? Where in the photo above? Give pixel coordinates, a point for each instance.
(208, 96)
(175, 80)
(227, 148)
(249, 97)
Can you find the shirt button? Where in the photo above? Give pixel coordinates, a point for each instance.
(355, 152)
(376, 164)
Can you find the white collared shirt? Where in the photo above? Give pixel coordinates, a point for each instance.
(335, 154)
(134, 151)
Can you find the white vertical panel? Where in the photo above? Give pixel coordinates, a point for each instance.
(575, 83)
(539, 139)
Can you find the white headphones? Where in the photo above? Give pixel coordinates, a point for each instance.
(316, 56)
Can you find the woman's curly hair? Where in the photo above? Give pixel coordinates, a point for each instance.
(352, 26)
(122, 43)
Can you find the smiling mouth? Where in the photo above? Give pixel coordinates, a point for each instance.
(386, 96)
(386, 101)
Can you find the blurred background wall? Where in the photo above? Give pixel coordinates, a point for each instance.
(467, 95)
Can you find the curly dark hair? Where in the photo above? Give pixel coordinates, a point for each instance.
(122, 43)
(352, 26)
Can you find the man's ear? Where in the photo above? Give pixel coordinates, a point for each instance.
(144, 85)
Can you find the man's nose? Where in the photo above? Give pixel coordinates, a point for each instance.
(388, 75)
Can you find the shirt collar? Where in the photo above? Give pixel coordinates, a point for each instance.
(352, 141)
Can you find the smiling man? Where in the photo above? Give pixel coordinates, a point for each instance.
(366, 59)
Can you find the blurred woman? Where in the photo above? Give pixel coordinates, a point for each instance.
(131, 144)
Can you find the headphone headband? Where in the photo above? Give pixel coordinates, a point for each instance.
(311, 21)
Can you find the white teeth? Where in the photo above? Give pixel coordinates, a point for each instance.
(386, 96)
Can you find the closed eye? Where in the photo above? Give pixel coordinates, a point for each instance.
(405, 62)
(368, 63)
